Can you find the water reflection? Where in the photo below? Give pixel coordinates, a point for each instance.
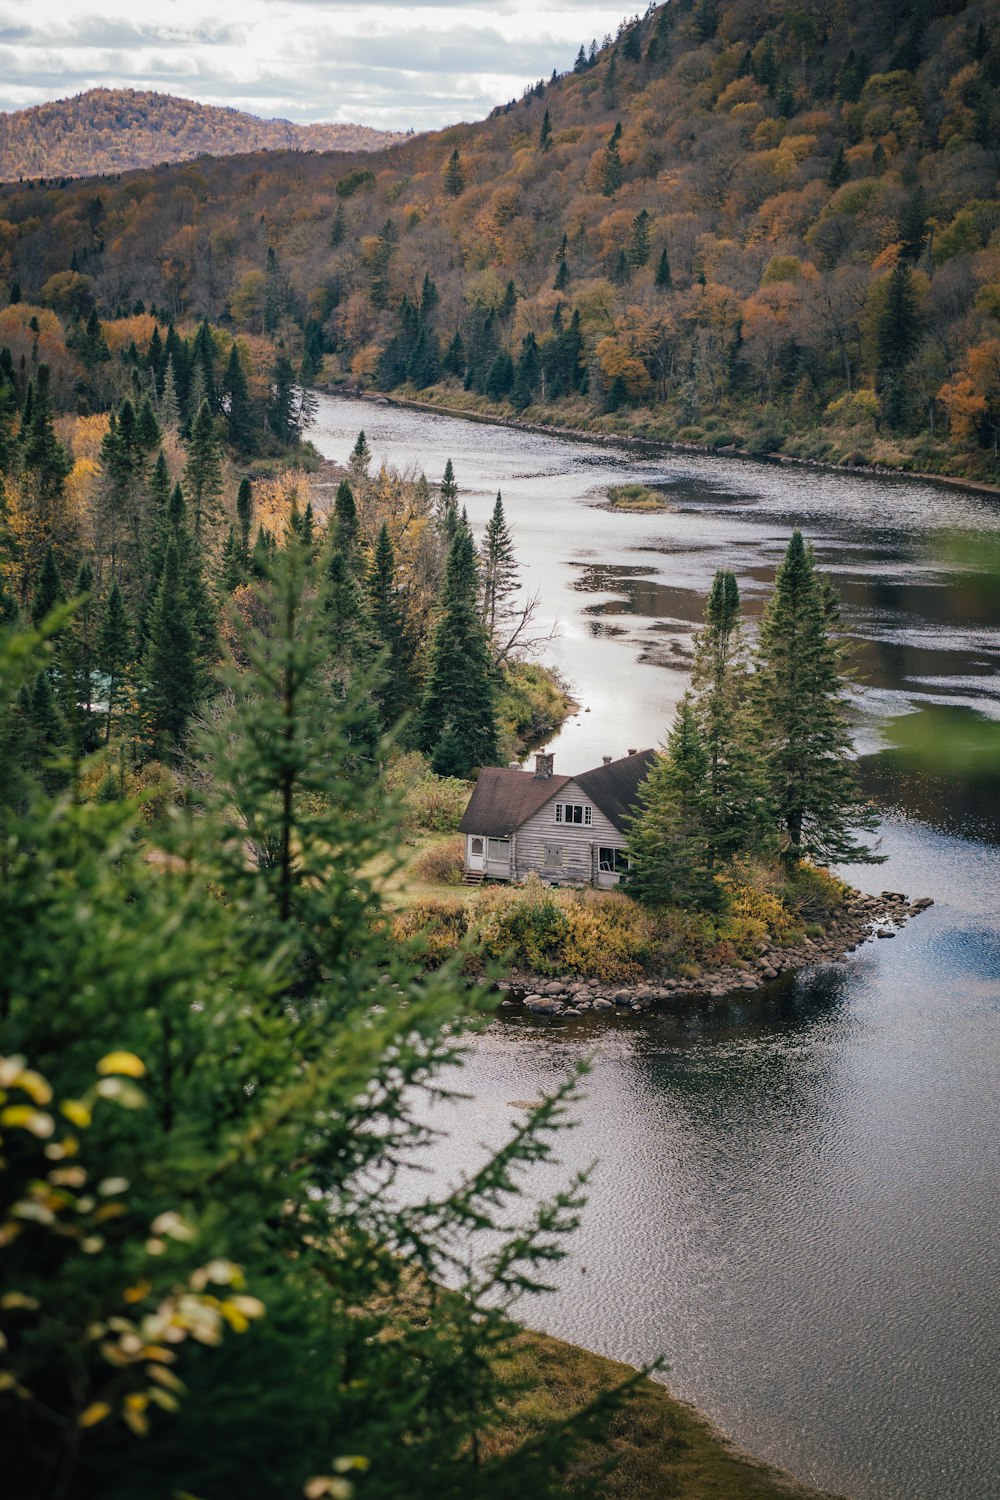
(796, 1192)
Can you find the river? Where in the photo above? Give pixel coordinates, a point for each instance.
(796, 1194)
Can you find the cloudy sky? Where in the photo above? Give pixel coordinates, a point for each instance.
(422, 63)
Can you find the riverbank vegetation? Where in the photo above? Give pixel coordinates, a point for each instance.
(635, 497)
(769, 230)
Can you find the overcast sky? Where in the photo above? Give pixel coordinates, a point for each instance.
(422, 63)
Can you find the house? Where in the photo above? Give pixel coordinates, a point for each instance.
(569, 830)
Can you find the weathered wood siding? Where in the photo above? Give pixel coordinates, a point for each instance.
(541, 837)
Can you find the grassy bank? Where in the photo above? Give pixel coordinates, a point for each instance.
(655, 1447)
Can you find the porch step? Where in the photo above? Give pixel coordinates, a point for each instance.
(473, 877)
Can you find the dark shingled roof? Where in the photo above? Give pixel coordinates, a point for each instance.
(503, 799)
(614, 788)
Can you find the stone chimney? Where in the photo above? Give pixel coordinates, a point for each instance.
(607, 759)
(543, 766)
(513, 765)
(633, 752)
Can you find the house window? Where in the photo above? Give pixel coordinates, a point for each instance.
(498, 851)
(476, 847)
(612, 861)
(553, 855)
(575, 812)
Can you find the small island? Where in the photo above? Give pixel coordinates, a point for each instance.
(638, 499)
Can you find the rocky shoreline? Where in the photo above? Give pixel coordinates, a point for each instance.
(861, 919)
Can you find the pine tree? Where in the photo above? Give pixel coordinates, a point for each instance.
(739, 817)
(170, 687)
(459, 698)
(613, 174)
(49, 590)
(357, 464)
(148, 435)
(839, 170)
(449, 485)
(239, 412)
(545, 133)
(638, 252)
(394, 690)
(345, 516)
(282, 413)
(663, 278)
(203, 472)
(796, 695)
(115, 656)
(204, 356)
(244, 514)
(347, 626)
(669, 841)
(499, 578)
(897, 330)
(454, 176)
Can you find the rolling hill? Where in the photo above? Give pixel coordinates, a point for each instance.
(735, 224)
(116, 130)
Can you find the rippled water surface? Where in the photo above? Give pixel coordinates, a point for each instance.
(796, 1195)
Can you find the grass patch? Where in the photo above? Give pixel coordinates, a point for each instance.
(635, 497)
(653, 1448)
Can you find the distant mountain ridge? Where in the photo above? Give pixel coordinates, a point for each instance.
(116, 130)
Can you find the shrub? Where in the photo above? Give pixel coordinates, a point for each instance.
(524, 926)
(813, 892)
(608, 937)
(433, 804)
(432, 930)
(443, 862)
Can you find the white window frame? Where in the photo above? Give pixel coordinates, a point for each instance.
(586, 821)
(494, 858)
(617, 854)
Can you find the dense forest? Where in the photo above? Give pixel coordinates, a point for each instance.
(115, 130)
(732, 224)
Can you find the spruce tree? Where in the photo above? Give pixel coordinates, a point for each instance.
(454, 176)
(839, 169)
(738, 811)
(896, 332)
(394, 691)
(170, 668)
(169, 406)
(663, 278)
(244, 514)
(81, 652)
(669, 840)
(459, 698)
(347, 628)
(638, 252)
(449, 484)
(345, 521)
(804, 736)
(203, 473)
(498, 572)
(49, 590)
(239, 412)
(115, 656)
(613, 174)
(545, 133)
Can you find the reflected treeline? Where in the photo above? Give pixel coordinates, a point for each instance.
(965, 798)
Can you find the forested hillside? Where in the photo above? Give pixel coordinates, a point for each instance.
(115, 130)
(734, 224)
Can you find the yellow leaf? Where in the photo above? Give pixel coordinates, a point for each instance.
(76, 1112)
(125, 1094)
(18, 1299)
(28, 1118)
(137, 1421)
(237, 1322)
(164, 1399)
(36, 1086)
(122, 1062)
(92, 1244)
(96, 1412)
(136, 1293)
(112, 1185)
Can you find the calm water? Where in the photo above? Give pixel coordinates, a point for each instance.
(796, 1195)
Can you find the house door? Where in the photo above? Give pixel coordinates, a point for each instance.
(477, 854)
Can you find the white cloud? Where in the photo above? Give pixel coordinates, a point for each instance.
(423, 63)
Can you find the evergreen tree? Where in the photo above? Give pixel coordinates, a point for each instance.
(562, 275)
(170, 407)
(739, 818)
(394, 690)
(453, 362)
(147, 429)
(244, 514)
(312, 352)
(897, 330)
(449, 484)
(912, 229)
(459, 698)
(239, 411)
(359, 461)
(632, 45)
(796, 693)
(498, 573)
(170, 667)
(545, 133)
(663, 278)
(345, 513)
(282, 413)
(638, 252)
(47, 738)
(49, 590)
(204, 356)
(613, 174)
(839, 169)
(528, 373)
(275, 291)
(82, 648)
(669, 841)
(454, 176)
(203, 472)
(115, 656)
